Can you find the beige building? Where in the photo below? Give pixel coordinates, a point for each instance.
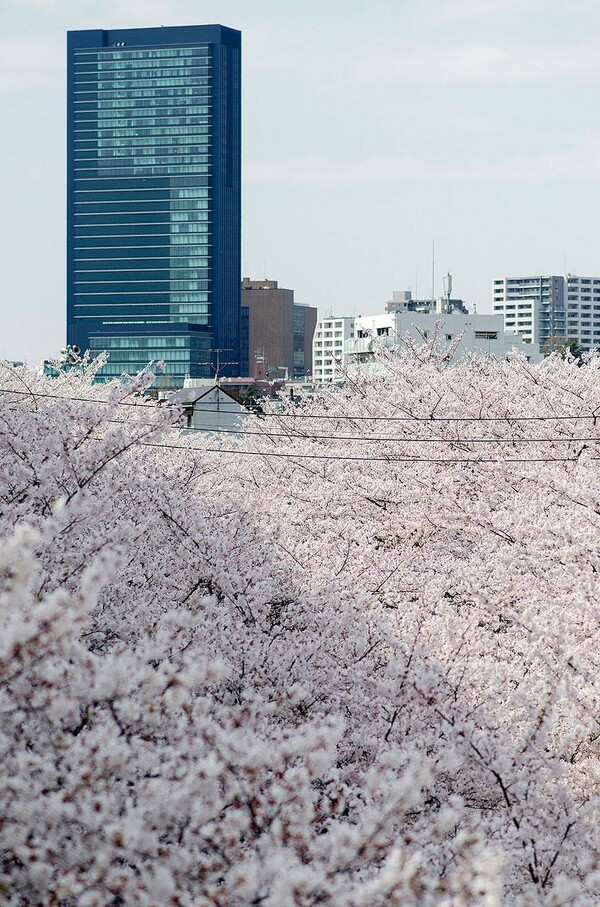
(278, 329)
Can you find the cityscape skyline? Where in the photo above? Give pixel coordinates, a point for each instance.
(368, 134)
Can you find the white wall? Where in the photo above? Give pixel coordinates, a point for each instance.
(217, 410)
(447, 327)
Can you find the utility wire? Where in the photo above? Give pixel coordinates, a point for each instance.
(293, 415)
(364, 438)
(386, 459)
(29, 393)
(268, 435)
(429, 419)
(389, 459)
(412, 440)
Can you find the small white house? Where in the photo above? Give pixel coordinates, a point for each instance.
(209, 408)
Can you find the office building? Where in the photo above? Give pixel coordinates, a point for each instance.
(153, 198)
(279, 329)
(270, 323)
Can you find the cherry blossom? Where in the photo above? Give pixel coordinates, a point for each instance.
(348, 656)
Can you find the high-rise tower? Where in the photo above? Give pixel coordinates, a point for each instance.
(153, 197)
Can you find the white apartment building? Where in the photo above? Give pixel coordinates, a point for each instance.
(583, 310)
(341, 342)
(469, 332)
(550, 306)
(331, 335)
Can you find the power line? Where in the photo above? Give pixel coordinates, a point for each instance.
(331, 416)
(413, 440)
(30, 393)
(365, 438)
(207, 429)
(429, 419)
(388, 459)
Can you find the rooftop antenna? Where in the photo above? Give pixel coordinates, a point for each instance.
(433, 270)
(448, 289)
(217, 368)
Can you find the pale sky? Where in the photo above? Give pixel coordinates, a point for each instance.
(370, 130)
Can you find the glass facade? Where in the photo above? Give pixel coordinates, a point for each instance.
(154, 197)
(305, 322)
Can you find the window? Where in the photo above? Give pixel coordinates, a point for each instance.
(484, 335)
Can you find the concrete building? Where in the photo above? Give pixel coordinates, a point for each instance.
(270, 322)
(341, 342)
(331, 335)
(402, 301)
(154, 197)
(532, 306)
(583, 310)
(552, 306)
(278, 328)
(459, 332)
(305, 323)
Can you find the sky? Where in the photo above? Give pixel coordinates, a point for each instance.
(371, 132)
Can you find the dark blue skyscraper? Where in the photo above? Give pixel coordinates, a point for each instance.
(153, 197)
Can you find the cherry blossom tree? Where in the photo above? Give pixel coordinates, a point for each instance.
(346, 657)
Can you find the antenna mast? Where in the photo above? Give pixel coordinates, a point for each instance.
(448, 289)
(219, 365)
